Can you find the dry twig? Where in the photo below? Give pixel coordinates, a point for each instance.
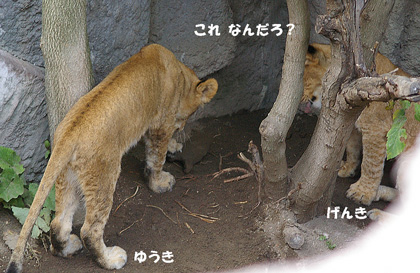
(164, 213)
(289, 195)
(138, 220)
(244, 176)
(228, 170)
(137, 189)
(188, 226)
(205, 218)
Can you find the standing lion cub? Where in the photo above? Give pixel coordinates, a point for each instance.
(152, 94)
(370, 132)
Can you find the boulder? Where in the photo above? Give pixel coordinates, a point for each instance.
(23, 113)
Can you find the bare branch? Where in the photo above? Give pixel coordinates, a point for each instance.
(384, 88)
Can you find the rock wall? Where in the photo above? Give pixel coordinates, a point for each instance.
(23, 113)
(247, 67)
(401, 40)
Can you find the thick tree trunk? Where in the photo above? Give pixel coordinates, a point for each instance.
(317, 169)
(275, 127)
(64, 43)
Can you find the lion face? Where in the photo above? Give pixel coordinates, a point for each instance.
(316, 64)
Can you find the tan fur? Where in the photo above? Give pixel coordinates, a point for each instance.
(373, 124)
(152, 94)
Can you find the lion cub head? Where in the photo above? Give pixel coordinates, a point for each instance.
(201, 92)
(318, 59)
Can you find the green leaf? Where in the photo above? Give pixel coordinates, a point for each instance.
(47, 144)
(46, 213)
(20, 214)
(40, 224)
(11, 185)
(9, 159)
(36, 232)
(417, 111)
(50, 201)
(47, 154)
(395, 145)
(17, 202)
(29, 194)
(405, 104)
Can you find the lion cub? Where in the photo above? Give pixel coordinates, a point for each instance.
(371, 128)
(152, 94)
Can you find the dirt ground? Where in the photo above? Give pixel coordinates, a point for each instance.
(226, 237)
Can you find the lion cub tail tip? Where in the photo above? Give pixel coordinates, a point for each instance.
(14, 268)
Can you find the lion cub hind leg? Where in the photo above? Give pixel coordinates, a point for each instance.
(98, 180)
(157, 141)
(353, 149)
(67, 200)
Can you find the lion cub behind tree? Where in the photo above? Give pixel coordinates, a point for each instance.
(152, 94)
(370, 131)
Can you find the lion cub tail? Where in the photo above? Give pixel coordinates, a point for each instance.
(60, 156)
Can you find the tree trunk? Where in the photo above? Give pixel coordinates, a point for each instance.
(274, 128)
(316, 171)
(68, 69)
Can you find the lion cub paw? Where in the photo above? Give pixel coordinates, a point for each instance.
(162, 183)
(347, 169)
(73, 245)
(114, 258)
(174, 146)
(361, 193)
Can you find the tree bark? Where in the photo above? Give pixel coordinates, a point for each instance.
(316, 171)
(274, 128)
(68, 69)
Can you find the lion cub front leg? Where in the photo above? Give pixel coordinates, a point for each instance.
(157, 141)
(174, 146)
(353, 149)
(365, 190)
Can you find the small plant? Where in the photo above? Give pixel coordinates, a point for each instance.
(47, 146)
(329, 244)
(17, 195)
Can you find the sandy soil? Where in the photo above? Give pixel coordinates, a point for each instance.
(148, 222)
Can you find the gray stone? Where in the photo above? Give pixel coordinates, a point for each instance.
(401, 41)
(20, 29)
(173, 24)
(116, 30)
(252, 79)
(401, 38)
(23, 118)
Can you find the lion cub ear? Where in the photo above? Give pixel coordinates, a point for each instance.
(311, 58)
(207, 90)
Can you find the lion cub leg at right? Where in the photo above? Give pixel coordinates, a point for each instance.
(98, 186)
